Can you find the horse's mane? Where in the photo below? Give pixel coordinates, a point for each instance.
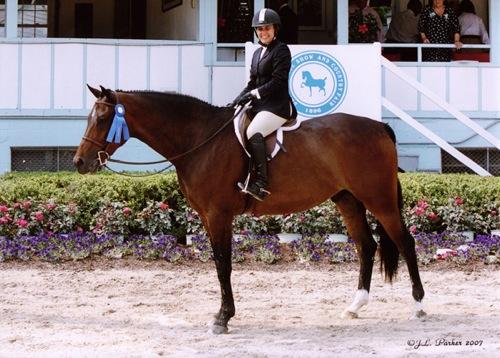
(181, 99)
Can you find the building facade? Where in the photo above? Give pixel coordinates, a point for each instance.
(50, 50)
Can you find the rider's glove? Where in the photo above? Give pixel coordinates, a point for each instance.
(249, 96)
(244, 98)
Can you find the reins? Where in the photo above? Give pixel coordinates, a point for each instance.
(103, 156)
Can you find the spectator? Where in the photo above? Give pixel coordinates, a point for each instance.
(404, 26)
(365, 25)
(472, 29)
(404, 29)
(438, 24)
(289, 30)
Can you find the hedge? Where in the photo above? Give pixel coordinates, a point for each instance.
(86, 190)
(89, 191)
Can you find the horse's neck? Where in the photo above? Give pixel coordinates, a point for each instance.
(173, 131)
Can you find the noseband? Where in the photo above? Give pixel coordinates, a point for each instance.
(102, 154)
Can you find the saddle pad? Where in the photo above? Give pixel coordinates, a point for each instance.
(239, 130)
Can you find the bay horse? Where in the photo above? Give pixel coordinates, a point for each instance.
(348, 159)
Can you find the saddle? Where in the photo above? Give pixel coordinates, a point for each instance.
(274, 141)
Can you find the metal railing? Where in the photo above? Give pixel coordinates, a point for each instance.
(419, 47)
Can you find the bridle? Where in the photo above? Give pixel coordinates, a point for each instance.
(104, 157)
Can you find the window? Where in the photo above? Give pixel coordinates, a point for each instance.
(32, 18)
(234, 21)
(487, 158)
(2, 18)
(234, 26)
(53, 159)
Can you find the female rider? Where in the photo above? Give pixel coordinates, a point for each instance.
(268, 91)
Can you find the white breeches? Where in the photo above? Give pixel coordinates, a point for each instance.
(264, 123)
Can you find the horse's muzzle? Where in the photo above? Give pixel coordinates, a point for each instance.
(83, 166)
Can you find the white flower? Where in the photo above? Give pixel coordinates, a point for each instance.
(446, 16)
(432, 14)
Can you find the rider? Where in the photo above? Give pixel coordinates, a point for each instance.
(268, 91)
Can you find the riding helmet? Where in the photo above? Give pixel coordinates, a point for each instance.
(266, 17)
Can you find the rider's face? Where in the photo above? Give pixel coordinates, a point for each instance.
(265, 33)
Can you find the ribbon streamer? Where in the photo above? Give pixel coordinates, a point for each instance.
(118, 126)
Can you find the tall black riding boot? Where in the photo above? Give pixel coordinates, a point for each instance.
(257, 188)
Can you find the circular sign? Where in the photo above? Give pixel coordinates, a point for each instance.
(317, 82)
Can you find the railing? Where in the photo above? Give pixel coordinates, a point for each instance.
(446, 106)
(419, 47)
(236, 49)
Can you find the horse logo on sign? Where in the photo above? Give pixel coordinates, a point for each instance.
(311, 82)
(317, 82)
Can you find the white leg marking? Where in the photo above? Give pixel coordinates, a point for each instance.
(418, 310)
(360, 300)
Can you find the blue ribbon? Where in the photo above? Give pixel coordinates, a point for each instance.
(118, 126)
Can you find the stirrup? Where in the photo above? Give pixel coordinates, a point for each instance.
(261, 195)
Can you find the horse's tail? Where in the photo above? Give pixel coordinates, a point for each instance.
(389, 253)
(390, 132)
(392, 135)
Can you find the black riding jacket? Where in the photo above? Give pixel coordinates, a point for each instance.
(269, 75)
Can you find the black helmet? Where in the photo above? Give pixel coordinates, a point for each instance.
(266, 17)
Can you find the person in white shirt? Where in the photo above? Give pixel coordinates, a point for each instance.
(472, 28)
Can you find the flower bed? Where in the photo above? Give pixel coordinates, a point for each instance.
(118, 216)
(260, 248)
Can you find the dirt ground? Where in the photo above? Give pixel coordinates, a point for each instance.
(128, 308)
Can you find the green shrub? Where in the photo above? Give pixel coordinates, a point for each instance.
(88, 192)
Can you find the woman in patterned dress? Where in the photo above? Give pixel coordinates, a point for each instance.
(438, 24)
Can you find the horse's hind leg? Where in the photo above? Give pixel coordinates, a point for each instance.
(354, 214)
(395, 239)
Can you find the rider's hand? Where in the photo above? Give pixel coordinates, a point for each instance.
(245, 98)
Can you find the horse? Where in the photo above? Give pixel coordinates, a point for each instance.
(341, 157)
(310, 81)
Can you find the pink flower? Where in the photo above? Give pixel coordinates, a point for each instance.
(432, 216)
(39, 216)
(422, 204)
(50, 206)
(163, 206)
(27, 205)
(4, 208)
(4, 220)
(413, 229)
(126, 211)
(22, 223)
(419, 211)
(17, 205)
(458, 201)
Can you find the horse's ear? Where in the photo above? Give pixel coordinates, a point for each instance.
(94, 91)
(107, 93)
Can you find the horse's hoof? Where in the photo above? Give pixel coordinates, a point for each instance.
(349, 315)
(218, 329)
(420, 314)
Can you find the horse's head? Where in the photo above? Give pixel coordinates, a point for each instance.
(306, 75)
(94, 141)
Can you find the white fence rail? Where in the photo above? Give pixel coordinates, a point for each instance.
(446, 106)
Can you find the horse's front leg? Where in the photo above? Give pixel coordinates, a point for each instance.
(220, 231)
